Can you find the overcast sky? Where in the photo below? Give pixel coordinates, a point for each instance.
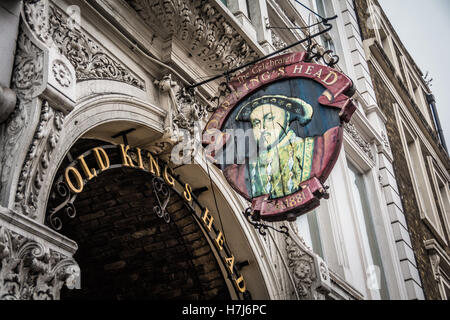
(424, 29)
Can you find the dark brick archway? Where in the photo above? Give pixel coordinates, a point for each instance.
(127, 252)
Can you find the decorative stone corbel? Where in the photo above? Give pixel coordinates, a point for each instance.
(52, 55)
(182, 122)
(440, 262)
(310, 273)
(34, 264)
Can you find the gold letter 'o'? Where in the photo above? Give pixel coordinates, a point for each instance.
(78, 178)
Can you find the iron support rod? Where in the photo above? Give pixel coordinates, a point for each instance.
(227, 73)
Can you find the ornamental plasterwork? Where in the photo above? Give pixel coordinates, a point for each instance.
(89, 59)
(310, 273)
(86, 55)
(302, 268)
(36, 162)
(61, 73)
(277, 42)
(28, 77)
(359, 140)
(36, 16)
(31, 271)
(205, 32)
(181, 124)
(50, 53)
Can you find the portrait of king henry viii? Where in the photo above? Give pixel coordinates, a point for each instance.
(295, 138)
(284, 160)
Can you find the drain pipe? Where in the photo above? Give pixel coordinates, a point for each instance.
(432, 102)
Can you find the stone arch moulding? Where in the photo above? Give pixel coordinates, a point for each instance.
(88, 115)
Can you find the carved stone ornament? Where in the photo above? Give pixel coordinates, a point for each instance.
(182, 123)
(310, 273)
(36, 163)
(86, 55)
(61, 73)
(302, 267)
(50, 53)
(53, 27)
(30, 271)
(36, 16)
(359, 140)
(385, 141)
(277, 42)
(440, 261)
(27, 82)
(200, 27)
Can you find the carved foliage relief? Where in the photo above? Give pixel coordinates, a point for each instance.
(203, 30)
(28, 76)
(302, 268)
(42, 27)
(86, 55)
(30, 271)
(359, 140)
(36, 162)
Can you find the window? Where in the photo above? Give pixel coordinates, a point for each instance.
(308, 229)
(416, 93)
(364, 217)
(418, 96)
(441, 187)
(385, 43)
(420, 178)
(400, 62)
(321, 8)
(327, 42)
(331, 39)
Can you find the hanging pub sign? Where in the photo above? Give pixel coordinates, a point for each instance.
(278, 134)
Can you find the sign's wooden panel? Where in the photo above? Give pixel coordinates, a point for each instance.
(278, 134)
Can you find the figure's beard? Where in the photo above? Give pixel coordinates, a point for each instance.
(263, 144)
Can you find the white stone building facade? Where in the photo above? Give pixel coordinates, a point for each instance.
(94, 69)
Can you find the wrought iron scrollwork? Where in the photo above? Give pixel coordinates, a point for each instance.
(162, 194)
(63, 191)
(315, 54)
(262, 227)
(222, 92)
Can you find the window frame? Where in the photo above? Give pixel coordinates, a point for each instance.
(425, 200)
(366, 222)
(444, 204)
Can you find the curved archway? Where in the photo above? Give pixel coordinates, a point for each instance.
(88, 121)
(127, 252)
(97, 111)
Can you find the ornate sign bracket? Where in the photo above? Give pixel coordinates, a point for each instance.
(253, 219)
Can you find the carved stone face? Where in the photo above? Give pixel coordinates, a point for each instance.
(269, 123)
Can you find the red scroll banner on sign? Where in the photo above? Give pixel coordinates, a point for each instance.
(309, 102)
